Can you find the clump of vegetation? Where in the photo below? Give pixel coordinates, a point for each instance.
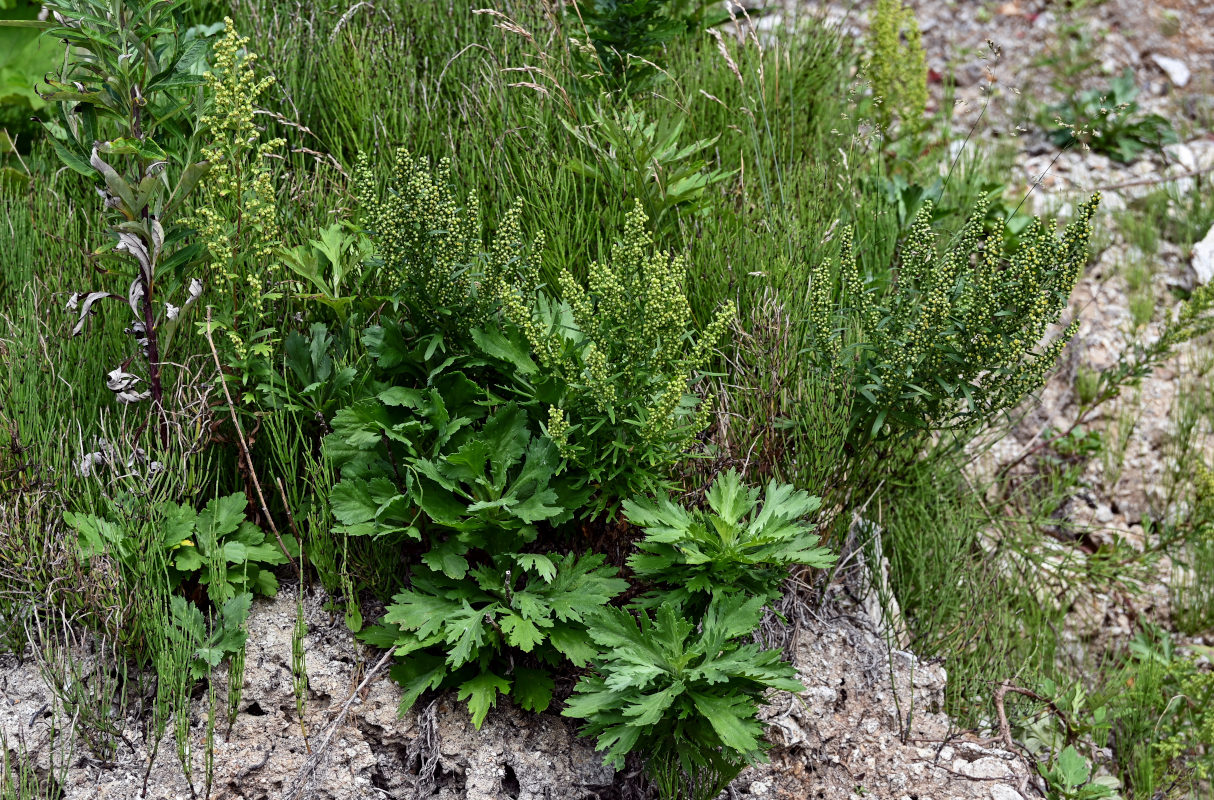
(1108, 121)
(953, 337)
(556, 402)
(897, 66)
(683, 685)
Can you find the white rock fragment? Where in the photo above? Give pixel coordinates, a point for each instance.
(1001, 792)
(1177, 71)
(988, 768)
(1183, 155)
(1203, 259)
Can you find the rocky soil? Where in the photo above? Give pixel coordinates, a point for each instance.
(869, 721)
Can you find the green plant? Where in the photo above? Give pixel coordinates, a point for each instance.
(1108, 121)
(897, 65)
(217, 548)
(735, 546)
(681, 685)
(128, 93)
(236, 212)
(313, 377)
(685, 696)
(622, 356)
(1164, 715)
(1070, 778)
(957, 336)
(630, 153)
(605, 369)
(1087, 383)
(225, 637)
(333, 265)
(465, 632)
(473, 493)
(428, 249)
(1190, 591)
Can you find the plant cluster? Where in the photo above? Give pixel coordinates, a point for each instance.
(489, 434)
(496, 414)
(213, 555)
(684, 685)
(631, 151)
(897, 66)
(236, 216)
(1108, 121)
(953, 337)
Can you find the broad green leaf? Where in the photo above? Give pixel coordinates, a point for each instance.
(532, 689)
(648, 710)
(494, 343)
(573, 644)
(733, 719)
(481, 693)
(222, 516)
(539, 564)
(520, 632)
(416, 674)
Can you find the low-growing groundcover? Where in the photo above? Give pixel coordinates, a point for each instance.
(563, 375)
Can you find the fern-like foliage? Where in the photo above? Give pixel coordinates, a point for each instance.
(735, 546)
(453, 631)
(684, 696)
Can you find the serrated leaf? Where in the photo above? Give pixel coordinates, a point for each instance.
(733, 719)
(532, 689)
(573, 644)
(417, 674)
(481, 693)
(539, 564)
(649, 708)
(447, 557)
(222, 515)
(521, 633)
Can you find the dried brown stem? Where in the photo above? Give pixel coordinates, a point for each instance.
(244, 449)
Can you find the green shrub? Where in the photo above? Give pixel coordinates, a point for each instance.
(954, 337)
(632, 153)
(621, 357)
(682, 687)
(685, 696)
(491, 411)
(216, 548)
(606, 369)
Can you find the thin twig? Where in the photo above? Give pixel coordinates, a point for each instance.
(1150, 181)
(313, 762)
(244, 449)
(1005, 728)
